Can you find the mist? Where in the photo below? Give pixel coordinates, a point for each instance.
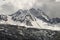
(50, 7)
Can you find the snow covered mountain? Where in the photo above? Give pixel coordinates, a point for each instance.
(35, 18)
(32, 18)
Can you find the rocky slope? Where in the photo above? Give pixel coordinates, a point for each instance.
(14, 32)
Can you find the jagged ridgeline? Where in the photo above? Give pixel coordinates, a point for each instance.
(24, 15)
(15, 32)
(20, 15)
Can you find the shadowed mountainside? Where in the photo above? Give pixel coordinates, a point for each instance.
(14, 32)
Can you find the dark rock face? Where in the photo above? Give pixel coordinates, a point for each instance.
(20, 13)
(55, 20)
(41, 15)
(22, 16)
(18, 16)
(3, 17)
(14, 32)
(34, 12)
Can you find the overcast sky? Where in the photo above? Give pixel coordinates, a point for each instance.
(57, 0)
(52, 7)
(24, 4)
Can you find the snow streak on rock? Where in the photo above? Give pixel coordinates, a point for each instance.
(33, 18)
